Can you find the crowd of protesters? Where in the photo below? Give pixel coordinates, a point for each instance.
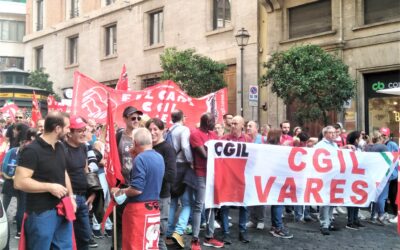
(56, 172)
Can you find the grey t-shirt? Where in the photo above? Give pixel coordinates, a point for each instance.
(125, 144)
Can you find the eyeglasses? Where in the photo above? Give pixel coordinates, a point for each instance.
(134, 118)
(19, 117)
(80, 131)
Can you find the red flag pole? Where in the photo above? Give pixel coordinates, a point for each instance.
(113, 166)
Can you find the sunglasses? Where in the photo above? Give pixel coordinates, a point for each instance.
(18, 117)
(134, 118)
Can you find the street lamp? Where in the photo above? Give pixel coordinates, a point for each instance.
(242, 38)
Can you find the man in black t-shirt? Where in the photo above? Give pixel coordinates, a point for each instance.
(76, 153)
(41, 173)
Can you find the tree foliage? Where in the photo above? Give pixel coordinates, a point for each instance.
(197, 75)
(40, 79)
(316, 81)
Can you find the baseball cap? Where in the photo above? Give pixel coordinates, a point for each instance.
(385, 131)
(76, 122)
(131, 110)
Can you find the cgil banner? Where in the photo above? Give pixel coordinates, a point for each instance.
(90, 101)
(248, 174)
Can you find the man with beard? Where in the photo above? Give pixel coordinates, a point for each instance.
(286, 139)
(76, 155)
(42, 174)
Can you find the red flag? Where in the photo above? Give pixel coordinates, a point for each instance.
(53, 105)
(36, 115)
(9, 109)
(113, 166)
(122, 83)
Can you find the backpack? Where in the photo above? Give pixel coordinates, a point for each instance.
(168, 138)
(10, 163)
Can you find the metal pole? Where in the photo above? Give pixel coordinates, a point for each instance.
(241, 80)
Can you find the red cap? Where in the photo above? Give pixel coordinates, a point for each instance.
(76, 122)
(385, 131)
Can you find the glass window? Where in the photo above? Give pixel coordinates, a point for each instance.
(150, 82)
(382, 10)
(108, 2)
(111, 40)
(74, 8)
(12, 30)
(308, 19)
(73, 50)
(221, 13)
(9, 79)
(8, 62)
(39, 16)
(39, 58)
(156, 27)
(382, 110)
(4, 35)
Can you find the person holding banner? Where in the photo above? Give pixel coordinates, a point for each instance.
(198, 138)
(353, 222)
(257, 213)
(326, 212)
(392, 147)
(236, 134)
(378, 207)
(277, 229)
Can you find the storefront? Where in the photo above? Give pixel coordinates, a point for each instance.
(382, 110)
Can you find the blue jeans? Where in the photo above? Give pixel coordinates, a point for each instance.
(199, 198)
(301, 212)
(47, 230)
(352, 215)
(276, 216)
(243, 214)
(164, 216)
(186, 201)
(81, 224)
(379, 206)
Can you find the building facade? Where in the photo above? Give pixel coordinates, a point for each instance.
(12, 30)
(97, 37)
(13, 78)
(365, 34)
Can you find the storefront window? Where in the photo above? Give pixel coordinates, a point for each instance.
(382, 110)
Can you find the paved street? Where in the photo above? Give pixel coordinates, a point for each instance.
(306, 236)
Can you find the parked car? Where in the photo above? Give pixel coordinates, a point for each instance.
(3, 227)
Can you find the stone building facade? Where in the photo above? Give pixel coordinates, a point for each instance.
(97, 37)
(365, 34)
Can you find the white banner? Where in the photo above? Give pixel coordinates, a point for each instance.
(248, 174)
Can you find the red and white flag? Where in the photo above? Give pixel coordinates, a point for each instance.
(113, 166)
(122, 83)
(9, 109)
(36, 115)
(53, 105)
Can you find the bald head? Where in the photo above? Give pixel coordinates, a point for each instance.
(142, 137)
(237, 125)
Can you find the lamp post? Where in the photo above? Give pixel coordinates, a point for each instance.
(242, 38)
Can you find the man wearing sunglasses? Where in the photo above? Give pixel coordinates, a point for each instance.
(19, 117)
(132, 118)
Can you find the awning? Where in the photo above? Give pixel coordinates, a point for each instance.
(392, 91)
